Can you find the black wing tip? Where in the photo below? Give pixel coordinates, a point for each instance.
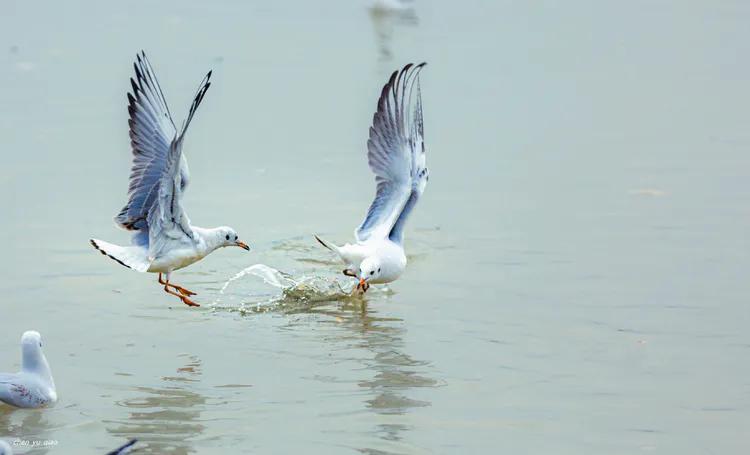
(415, 65)
(120, 449)
(397, 75)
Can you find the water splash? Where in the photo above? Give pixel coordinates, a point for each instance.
(268, 274)
(282, 289)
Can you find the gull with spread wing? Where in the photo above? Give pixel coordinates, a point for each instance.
(396, 155)
(163, 238)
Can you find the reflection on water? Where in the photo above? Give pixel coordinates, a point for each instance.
(392, 375)
(386, 15)
(164, 419)
(312, 285)
(25, 424)
(395, 374)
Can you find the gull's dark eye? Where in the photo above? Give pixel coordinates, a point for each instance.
(227, 236)
(372, 272)
(235, 237)
(378, 269)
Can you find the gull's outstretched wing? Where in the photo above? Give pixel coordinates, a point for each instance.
(396, 156)
(152, 132)
(159, 173)
(166, 219)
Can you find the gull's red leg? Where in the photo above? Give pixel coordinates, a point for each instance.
(182, 297)
(180, 289)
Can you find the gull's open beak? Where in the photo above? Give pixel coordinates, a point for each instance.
(242, 245)
(363, 284)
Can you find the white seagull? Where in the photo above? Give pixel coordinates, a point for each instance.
(33, 386)
(396, 156)
(163, 239)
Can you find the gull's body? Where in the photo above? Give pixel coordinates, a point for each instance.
(163, 238)
(5, 448)
(33, 386)
(396, 156)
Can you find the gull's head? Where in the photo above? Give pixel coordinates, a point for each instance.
(369, 270)
(31, 341)
(229, 237)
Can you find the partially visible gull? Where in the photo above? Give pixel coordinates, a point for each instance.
(396, 156)
(163, 238)
(128, 447)
(5, 448)
(33, 386)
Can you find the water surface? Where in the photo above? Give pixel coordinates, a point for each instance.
(578, 263)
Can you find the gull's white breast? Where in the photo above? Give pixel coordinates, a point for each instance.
(392, 261)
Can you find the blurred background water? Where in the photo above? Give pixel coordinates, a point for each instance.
(578, 263)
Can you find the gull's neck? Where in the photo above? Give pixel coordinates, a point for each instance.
(34, 362)
(209, 239)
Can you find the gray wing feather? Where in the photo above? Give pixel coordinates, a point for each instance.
(396, 156)
(166, 219)
(7, 380)
(152, 132)
(159, 174)
(419, 173)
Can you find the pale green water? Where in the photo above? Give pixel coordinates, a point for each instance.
(578, 275)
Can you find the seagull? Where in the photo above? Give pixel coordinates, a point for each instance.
(5, 448)
(163, 238)
(396, 155)
(32, 387)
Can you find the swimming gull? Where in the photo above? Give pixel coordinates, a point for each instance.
(33, 386)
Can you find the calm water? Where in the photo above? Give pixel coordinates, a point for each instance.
(578, 264)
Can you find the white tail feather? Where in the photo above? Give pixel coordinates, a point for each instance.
(134, 257)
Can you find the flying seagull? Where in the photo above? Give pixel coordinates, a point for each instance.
(33, 386)
(163, 238)
(396, 155)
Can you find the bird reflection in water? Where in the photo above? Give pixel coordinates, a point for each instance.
(164, 419)
(395, 374)
(386, 15)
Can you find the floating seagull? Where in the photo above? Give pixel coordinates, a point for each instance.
(396, 156)
(163, 239)
(32, 387)
(5, 448)
(125, 448)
